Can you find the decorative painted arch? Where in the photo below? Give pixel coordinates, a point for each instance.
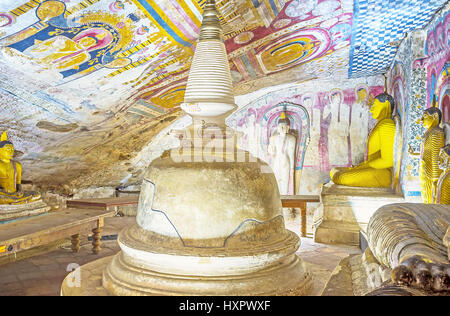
(443, 91)
(299, 123)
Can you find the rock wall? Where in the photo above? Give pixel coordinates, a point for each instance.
(419, 73)
(338, 123)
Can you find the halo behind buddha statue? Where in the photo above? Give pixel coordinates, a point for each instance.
(14, 202)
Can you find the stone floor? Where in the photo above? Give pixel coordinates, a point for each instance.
(42, 274)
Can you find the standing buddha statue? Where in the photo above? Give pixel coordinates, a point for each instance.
(282, 151)
(375, 172)
(432, 142)
(11, 176)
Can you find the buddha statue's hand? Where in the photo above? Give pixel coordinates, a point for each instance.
(361, 165)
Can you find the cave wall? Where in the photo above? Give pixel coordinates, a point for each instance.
(418, 74)
(336, 128)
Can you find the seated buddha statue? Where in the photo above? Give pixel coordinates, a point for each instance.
(375, 171)
(443, 184)
(11, 176)
(432, 142)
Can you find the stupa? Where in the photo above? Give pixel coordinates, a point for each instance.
(209, 217)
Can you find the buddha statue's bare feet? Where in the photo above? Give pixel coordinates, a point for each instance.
(421, 273)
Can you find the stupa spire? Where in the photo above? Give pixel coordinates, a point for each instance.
(210, 28)
(209, 91)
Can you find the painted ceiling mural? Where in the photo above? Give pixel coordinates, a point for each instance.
(84, 82)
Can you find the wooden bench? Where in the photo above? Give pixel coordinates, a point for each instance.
(43, 229)
(299, 201)
(104, 203)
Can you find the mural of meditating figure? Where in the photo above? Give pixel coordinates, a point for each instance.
(62, 53)
(11, 176)
(281, 148)
(376, 170)
(432, 142)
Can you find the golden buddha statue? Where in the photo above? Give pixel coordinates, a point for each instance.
(432, 142)
(11, 176)
(375, 172)
(443, 184)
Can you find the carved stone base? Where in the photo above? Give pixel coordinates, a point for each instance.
(11, 212)
(344, 212)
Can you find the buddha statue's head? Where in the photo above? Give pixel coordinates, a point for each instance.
(444, 157)
(382, 106)
(431, 117)
(6, 148)
(283, 124)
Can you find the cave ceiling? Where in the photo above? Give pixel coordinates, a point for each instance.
(84, 83)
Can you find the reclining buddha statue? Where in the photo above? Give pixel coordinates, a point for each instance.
(375, 171)
(411, 239)
(11, 177)
(432, 143)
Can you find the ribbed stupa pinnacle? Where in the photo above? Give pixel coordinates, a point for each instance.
(209, 90)
(211, 28)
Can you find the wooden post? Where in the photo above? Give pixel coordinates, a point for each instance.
(96, 237)
(300, 202)
(302, 207)
(75, 242)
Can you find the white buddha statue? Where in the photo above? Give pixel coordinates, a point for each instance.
(282, 152)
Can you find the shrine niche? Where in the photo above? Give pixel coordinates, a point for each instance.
(297, 121)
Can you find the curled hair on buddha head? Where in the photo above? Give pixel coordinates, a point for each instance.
(383, 97)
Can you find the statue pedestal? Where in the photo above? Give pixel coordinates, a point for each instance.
(344, 212)
(11, 212)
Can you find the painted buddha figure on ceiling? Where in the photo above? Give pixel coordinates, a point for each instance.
(432, 142)
(62, 53)
(375, 171)
(11, 176)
